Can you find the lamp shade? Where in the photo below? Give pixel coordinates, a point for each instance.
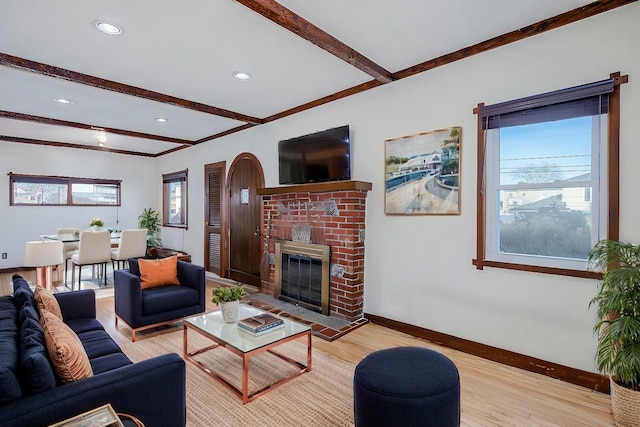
(42, 253)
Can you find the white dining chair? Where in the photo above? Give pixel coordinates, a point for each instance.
(133, 244)
(94, 248)
(68, 249)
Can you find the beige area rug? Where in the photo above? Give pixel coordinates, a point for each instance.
(322, 397)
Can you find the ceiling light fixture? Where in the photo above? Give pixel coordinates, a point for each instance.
(63, 100)
(108, 27)
(101, 144)
(241, 75)
(161, 119)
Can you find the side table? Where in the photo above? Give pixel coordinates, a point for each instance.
(166, 252)
(130, 420)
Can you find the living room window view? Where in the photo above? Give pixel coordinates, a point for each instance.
(547, 192)
(279, 215)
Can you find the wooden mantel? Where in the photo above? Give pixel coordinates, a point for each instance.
(319, 187)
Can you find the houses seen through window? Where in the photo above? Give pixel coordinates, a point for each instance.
(38, 190)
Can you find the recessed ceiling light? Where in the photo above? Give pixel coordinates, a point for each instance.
(100, 144)
(108, 27)
(161, 120)
(241, 75)
(63, 100)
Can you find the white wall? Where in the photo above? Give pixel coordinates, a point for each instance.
(418, 269)
(19, 224)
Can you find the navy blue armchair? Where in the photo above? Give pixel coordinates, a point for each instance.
(147, 308)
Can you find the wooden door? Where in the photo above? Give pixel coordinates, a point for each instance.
(214, 217)
(245, 219)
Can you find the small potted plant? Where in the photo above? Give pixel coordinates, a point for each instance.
(97, 224)
(618, 326)
(228, 298)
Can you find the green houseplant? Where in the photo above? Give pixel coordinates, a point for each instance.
(228, 298)
(96, 222)
(150, 219)
(618, 326)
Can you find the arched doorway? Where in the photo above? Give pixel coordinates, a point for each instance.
(245, 245)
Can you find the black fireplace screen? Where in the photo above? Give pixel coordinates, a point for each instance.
(302, 274)
(301, 280)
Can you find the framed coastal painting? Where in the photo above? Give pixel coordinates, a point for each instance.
(422, 173)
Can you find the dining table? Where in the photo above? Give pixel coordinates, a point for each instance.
(72, 237)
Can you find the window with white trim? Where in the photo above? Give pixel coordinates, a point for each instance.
(544, 199)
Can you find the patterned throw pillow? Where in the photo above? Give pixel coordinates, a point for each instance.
(46, 301)
(158, 272)
(68, 356)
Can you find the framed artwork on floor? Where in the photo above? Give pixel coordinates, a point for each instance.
(422, 173)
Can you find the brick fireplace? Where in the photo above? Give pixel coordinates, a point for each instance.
(332, 214)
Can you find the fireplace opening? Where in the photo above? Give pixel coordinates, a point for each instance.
(302, 274)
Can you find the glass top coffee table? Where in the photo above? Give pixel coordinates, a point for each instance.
(212, 326)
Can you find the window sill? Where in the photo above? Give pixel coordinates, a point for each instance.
(537, 269)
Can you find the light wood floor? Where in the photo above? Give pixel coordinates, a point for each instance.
(492, 394)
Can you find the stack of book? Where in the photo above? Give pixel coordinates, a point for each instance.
(260, 324)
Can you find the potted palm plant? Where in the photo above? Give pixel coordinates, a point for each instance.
(618, 311)
(150, 219)
(228, 298)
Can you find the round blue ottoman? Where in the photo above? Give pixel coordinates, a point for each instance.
(406, 386)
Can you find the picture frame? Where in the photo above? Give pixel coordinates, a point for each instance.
(422, 173)
(103, 416)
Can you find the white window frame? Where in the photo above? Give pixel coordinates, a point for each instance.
(598, 199)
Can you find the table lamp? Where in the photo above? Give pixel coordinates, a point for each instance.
(43, 255)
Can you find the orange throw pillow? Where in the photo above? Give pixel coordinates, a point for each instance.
(68, 357)
(158, 272)
(46, 301)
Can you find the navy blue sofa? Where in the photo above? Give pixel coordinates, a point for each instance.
(147, 308)
(153, 390)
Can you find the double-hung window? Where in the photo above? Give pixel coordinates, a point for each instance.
(548, 186)
(174, 199)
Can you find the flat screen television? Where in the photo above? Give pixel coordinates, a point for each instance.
(317, 157)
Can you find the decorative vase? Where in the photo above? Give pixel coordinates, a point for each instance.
(230, 311)
(625, 405)
(97, 228)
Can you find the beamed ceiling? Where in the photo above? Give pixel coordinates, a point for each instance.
(175, 60)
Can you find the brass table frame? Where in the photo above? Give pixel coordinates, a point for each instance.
(244, 392)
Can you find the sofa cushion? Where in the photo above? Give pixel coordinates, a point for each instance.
(158, 272)
(27, 311)
(84, 325)
(22, 292)
(68, 357)
(167, 298)
(98, 343)
(46, 301)
(109, 362)
(36, 372)
(9, 381)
